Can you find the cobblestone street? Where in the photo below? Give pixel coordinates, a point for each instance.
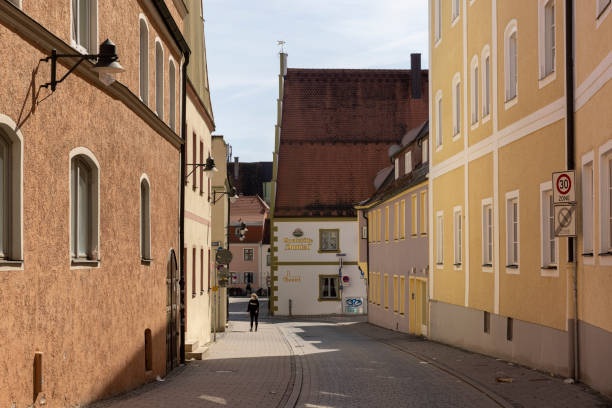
(345, 362)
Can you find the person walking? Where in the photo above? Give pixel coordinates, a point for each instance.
(253, 310)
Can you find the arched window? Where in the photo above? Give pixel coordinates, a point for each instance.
(456, 105)
(546, 31)
(85, 25)
(11, 166)
(474, 89)
(486, 82)
(172, 90)
(145, 219)
(144, 61)
(159, 79)
(84, 207)
(511, 61)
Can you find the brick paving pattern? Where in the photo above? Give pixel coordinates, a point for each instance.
(345, 362)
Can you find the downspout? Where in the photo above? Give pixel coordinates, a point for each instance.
(229, 207)
(570, 141)
(365, 215)
(182, 205)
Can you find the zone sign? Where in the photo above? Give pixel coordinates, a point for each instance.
(564, 191)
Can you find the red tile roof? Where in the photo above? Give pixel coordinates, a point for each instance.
(248, 209)
(337, 127)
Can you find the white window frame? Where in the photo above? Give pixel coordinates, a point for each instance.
(486, 83)
(408, 162)
(172, 94)
(439, 122)
(588, 209)
(92, 29)
(437, 22)
(456, 93)
(440, 239)
(143, 60)
(474, 92)
(513, 259)
(546, 76)
(244, 254)
(425, 150)
(455, 11)
(11, 221)
(457, 237)
(145, 218)
(159, 78)
(602, 9)
(93, 247)
(487, 235)
(511, 29)
(396, 166)
(605, 244)
(547, 238)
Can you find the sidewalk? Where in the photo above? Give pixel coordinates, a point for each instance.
(507, 383)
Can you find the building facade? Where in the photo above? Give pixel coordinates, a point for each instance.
(394, 238)
(89, 186)
(197, 266)
(333, 131)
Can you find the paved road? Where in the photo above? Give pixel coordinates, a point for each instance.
(345, 362)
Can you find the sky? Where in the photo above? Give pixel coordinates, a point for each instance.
(243, 61)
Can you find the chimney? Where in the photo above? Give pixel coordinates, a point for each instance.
(283, 63)
(415, 75)
(236, 168)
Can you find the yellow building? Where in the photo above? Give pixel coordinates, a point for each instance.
(593, 160)
(500, 282)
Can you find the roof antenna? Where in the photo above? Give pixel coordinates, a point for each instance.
(282, 46)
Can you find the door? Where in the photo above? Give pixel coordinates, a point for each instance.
(412, 306)
(172, 327)
(423, 309)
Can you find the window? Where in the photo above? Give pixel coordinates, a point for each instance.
(510, 61)
(387, 223)
(403, 219)
(607, 243)
(587, 208)
(248, 254)
(440, 238)
(487, 322)
(378, 225)
(455, 13)
(268, 258)
(84, 209)
(172, 90)
(425, 150)
(371, 225)
(549, 242)
(202, 168)
(474, 90)
(248, 277)
(397, 169)
(193, 272)
(145, 219)
(395, 294)
(11, 164)
(159, 79)
(386, 290)
(486, 83)
(602, 5)
(458, 235)
(144, 61)
(512, 229)
(378, 288)
(487, 232)
(371, 283)
(415, 217)
(201, 270)
(85, 25)
(439, 119)
(396, 221)
(402, 294)
(438, 19)
(423, 212)
(194, 157)
(329, 240)
(148, 351)
(456, 105)
(546, 30)
(408, 162)
(328, 287)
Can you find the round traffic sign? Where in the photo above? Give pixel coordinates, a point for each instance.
(564, 184)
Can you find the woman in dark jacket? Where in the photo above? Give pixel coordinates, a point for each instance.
(253, 309)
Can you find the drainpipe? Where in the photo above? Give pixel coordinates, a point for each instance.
(365, 215)
(570, 141)
(229, 207)
(182, 206)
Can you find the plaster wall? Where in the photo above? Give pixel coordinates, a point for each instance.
(89, 323)
(239, 265)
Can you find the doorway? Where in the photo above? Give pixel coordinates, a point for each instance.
(172, 321)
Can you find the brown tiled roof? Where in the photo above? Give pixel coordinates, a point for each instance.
(248, 209)
(337, 127)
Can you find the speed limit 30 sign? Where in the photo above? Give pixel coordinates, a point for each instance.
(564, 191)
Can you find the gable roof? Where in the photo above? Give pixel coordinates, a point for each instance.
(336, 130)
(249, 209)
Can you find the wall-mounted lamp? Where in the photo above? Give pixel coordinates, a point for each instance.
(233, 193)
(242, 231)
(107, 64)
(208, 166)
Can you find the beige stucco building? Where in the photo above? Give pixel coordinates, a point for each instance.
(198, 264)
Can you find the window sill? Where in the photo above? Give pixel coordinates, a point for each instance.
(605, 253)
(438, 41)
(512, 269)
(11, 264)
(542, 82)
(454, 21)
(589, 254)
(603, 14)
(510, 102)
(328, 299)
(456, 137)
(549, 267)
(146, 261)
(486, 118)
(330, 251)
(512, 266)
(89, 263)
(474, 125)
